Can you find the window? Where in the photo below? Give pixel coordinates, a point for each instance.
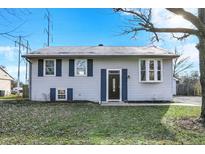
(49, 65)
(150, 70)
(61, 94)
(81, 67)
(143, 70)
(159, 70)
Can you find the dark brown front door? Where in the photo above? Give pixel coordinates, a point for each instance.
(114, 85)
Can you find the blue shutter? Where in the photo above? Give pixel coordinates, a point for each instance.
(40, 67)
(124, 84)
(58, 67)
(71, 67)
(70, 94)
(52, 94)
(90, 67)
(103, 85)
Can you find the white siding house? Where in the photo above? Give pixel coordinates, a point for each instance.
(101, 74)
(5, 82)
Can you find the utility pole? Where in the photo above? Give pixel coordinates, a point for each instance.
(49, 27)
(27, 49)
(19, 59)
(21, 44)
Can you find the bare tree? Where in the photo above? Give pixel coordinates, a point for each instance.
(141, 21)
(181, 64)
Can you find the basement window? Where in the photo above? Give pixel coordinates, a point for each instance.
(61, 94)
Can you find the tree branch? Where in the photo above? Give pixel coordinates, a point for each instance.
(142, 18)
(174, 30)
(189, 17)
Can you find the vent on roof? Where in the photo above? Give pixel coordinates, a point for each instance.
(100, 44)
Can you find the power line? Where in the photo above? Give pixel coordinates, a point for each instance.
(21, 43)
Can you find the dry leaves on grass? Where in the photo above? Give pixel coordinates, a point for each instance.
(191, 124)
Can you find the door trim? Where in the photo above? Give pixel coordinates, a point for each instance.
(107, 85)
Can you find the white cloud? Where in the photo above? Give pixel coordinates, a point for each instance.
(164, 18)
(13, 71)
(8, 52)
(191, 51)
(10, 56)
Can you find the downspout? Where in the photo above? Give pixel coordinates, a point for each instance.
(30, 76)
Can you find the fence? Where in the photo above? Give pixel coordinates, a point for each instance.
(188, 89)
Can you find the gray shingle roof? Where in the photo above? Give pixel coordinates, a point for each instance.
(4, 74)
(95, 51)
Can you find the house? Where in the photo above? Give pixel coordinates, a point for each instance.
(101, 74)
(5, 82)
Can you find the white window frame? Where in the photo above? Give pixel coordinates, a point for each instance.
(44, 66)
(57, 94)
(147, 60)
(86, 71)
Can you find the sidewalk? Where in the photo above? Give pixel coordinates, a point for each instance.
(147, 104)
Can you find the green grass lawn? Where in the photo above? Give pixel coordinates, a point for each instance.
(10, 97)
(63, 123)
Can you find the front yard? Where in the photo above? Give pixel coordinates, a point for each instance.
(63, 123)
(12, 96)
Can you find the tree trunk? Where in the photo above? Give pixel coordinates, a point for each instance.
(201, 48)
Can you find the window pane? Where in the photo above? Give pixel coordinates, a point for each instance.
(49, 70)
(61, 96)
(61, 92)
(143, 66)
(151, 65)
(49, 63)
(151, 75)
(114, 72)
(81, 64)
(143, 75)
(81, 71)
(158, 65)
(159, 75)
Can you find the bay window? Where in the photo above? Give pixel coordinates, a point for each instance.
(150, 70)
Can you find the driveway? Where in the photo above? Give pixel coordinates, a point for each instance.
(193, 100)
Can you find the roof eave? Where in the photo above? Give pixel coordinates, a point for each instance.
(66, 56)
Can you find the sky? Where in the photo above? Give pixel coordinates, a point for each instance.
(83, 27)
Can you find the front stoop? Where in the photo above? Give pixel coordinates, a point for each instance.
(114, 103)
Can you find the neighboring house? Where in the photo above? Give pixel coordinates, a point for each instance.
(175, 81)
(5, 82)
(101, 74)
